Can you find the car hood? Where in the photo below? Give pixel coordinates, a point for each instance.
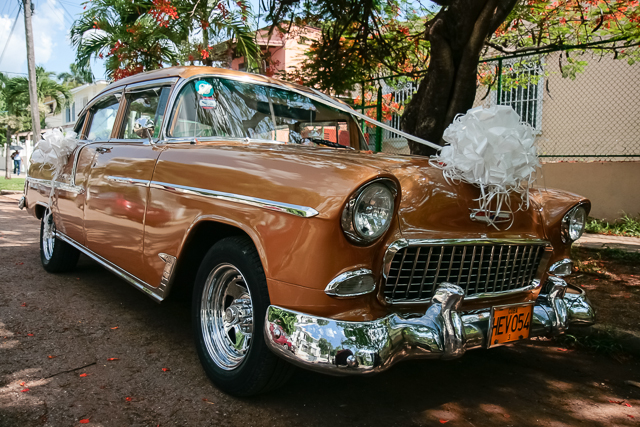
(322, 178)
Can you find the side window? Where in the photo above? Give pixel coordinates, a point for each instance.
(149, 104)
(78, 127)
(103, 117)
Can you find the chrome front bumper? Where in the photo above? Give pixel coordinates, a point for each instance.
(343, 348)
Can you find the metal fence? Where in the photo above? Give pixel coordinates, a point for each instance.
(584, 103)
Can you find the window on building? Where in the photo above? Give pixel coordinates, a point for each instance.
(67, 115)
(522, 88)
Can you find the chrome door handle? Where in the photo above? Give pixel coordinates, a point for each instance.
(103, 149)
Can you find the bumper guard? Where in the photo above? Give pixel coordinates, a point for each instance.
(343, 348)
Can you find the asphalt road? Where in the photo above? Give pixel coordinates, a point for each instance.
(58, 332)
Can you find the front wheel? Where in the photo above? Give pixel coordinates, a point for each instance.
(230, 300)
(56, 256)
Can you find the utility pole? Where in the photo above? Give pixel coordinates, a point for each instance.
(31, 62)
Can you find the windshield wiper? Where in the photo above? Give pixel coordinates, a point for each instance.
(329, 143)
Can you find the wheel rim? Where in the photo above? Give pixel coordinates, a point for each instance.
(48, 237)
(226, 316)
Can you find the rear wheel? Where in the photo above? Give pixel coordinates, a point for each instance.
(56, 256)
(230, 300)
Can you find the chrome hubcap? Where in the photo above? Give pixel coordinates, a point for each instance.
(48, 237)
(226, 316)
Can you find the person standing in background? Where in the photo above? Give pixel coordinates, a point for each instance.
(17, 160)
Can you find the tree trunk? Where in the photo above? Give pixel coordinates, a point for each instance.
(205, 40)
(457, 35)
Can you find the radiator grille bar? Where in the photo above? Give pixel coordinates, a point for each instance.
(416, 271)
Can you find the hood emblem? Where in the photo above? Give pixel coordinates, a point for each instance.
(490, 216)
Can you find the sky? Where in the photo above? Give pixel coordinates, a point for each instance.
(51, 23)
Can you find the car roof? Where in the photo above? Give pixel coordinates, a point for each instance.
(189, 71)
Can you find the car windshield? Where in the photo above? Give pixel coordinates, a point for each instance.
(215, 107)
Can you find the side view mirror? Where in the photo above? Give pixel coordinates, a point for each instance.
(144, 128)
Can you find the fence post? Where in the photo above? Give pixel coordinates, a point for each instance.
(379, 118)
(363, 123)
(499, 91)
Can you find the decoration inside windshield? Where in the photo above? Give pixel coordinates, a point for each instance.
(203, 88)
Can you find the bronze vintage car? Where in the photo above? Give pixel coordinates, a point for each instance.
(301, 247)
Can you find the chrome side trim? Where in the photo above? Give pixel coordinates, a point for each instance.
(132, 181)
(395, 246)
(331, 287)
(167, 273)
(151, 83)
(57, 184)
(153, 292)
(297, 210)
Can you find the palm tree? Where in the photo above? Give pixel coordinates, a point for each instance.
(77, 77)
(144, 35)
(17, 92)
(127, 35)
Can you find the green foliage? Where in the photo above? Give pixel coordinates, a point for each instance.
(77, 76)
(15, 113)
(145, 35)
(572, 68)
(626, 226)
(17, 92)
(366, 39)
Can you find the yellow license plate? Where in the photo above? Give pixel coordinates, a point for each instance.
(510, 323)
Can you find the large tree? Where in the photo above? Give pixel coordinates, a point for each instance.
(362, 39)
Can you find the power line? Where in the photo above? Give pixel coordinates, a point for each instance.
(15, 21)
(70, 16)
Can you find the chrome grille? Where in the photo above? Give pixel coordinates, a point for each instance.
(416, 271)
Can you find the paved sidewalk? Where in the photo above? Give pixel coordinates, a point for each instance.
(598, 241)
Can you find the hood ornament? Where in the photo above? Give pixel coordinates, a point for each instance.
(490, 217)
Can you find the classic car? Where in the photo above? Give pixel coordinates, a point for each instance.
(261, 197)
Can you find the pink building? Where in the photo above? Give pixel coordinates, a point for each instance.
(282, 52)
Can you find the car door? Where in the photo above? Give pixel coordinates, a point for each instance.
(118, 185)
(71, 192)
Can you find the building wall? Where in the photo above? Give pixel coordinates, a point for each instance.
(612, 187)
(81, 96)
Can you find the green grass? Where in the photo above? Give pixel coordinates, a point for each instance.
(13, 184)
(626, 226)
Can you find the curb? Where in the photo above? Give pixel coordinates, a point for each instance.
(629, 340)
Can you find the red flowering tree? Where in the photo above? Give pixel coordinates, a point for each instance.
(140, 35)
(362, 39)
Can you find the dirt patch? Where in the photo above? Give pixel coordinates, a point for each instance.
(612, 281)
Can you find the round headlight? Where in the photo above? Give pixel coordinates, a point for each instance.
(368, 215)
(573, 224)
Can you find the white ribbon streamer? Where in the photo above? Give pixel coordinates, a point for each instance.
(52, 152)
(492, 149)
